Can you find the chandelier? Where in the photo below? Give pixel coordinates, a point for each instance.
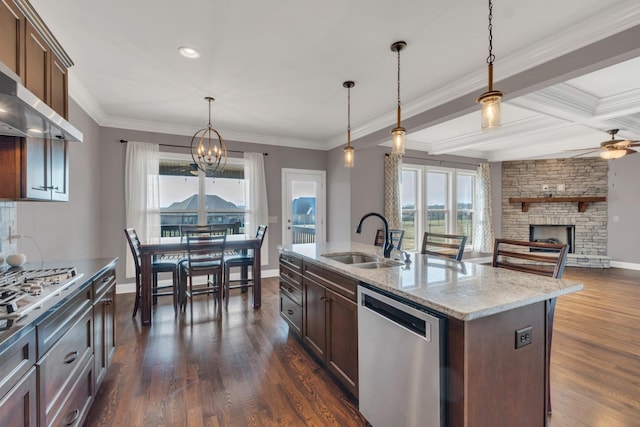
(208, 149)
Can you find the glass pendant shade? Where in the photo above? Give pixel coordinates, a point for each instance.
(397, 140)
(348, 156)
(490, 111)
(611, 154)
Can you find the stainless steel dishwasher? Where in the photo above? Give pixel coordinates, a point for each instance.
(400, 362)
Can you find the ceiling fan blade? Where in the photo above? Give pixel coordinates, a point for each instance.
(586, 151)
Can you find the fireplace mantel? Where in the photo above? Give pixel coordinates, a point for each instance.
(583, 201)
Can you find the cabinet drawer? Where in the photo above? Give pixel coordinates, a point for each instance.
(18, 407)
(16, 359)
(291, 261)
(79, 397)
(102, 283)
(293, 291)
(66, 357)
(291, 276)
(338, 283)
(54, 326)
(292, 313)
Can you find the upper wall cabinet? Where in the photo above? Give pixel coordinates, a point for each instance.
(12, 22)
(34, 169)
(29, 49)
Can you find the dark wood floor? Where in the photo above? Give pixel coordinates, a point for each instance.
(245, 370)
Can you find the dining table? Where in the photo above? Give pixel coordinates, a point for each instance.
(176, 245)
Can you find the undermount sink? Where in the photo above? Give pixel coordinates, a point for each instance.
(351, 257)
(362, 260)
(379, 264)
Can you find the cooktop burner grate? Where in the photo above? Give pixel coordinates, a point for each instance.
(24, 290)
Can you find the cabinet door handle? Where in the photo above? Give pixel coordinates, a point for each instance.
(70, 358)
(108, 301)
(290, 289)
(323, 299)
(290, 312)
(42, 187)
(72, 417)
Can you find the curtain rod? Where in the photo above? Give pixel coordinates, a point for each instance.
(124, 141)
(440, 161)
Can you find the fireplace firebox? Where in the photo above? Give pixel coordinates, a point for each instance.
(564, 234)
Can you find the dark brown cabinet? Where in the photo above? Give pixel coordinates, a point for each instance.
(19, 406)
(26, 47)
(330, 322)
(12, 23)
(291, 292)
(104, 322)
(34, 169)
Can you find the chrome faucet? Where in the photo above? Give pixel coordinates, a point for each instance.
(388, 244)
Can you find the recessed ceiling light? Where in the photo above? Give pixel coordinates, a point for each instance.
(2, 110)
(188, 52)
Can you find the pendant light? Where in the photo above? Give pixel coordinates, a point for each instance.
(398, 133)
(348, 150)
(208, 149)
(490, 100)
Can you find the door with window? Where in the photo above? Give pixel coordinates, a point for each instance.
(303, 206)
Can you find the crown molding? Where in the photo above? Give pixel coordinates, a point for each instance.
(622, 104)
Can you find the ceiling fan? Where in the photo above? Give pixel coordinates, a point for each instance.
(614, 148)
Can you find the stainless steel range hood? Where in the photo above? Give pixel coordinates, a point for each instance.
(24, 114)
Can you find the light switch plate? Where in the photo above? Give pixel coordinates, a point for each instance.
(560, 187)
(545, 187)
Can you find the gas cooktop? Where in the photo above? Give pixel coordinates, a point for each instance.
(22, 291)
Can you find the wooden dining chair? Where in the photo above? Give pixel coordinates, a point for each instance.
(157, 266)
(243, 260)
(205, 257)
(544, 259)
(444, 245)
(396, 238)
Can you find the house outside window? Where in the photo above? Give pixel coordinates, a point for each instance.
(437, 200)
(188, 197)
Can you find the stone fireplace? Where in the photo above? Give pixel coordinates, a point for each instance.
(586, 232)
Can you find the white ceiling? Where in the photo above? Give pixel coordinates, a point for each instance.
(276, 70)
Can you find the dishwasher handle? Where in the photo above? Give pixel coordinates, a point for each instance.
(402, 318)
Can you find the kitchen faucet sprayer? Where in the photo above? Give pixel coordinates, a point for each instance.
(388, 244)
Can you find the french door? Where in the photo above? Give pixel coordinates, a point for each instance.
(303, 206)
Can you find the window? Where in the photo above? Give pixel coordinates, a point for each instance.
(188, 197)
(438, 200)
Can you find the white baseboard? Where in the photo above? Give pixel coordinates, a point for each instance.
(126, 288)
(627, 265)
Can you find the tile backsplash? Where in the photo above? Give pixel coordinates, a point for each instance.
(8, 220)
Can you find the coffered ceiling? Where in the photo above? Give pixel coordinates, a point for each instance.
(570, 69)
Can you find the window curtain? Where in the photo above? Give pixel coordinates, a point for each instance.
(142, 194)
(256, 211)
(483, 230)
(392, 180)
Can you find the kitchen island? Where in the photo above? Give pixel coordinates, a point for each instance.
(489, 378)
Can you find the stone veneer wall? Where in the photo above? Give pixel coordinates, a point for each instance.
(8, 220)
(581, 177)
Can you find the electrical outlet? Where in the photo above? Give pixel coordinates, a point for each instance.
(524, 337)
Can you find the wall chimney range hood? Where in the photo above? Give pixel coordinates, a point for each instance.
(23, 114)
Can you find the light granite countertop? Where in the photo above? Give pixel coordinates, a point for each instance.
(462, 290)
